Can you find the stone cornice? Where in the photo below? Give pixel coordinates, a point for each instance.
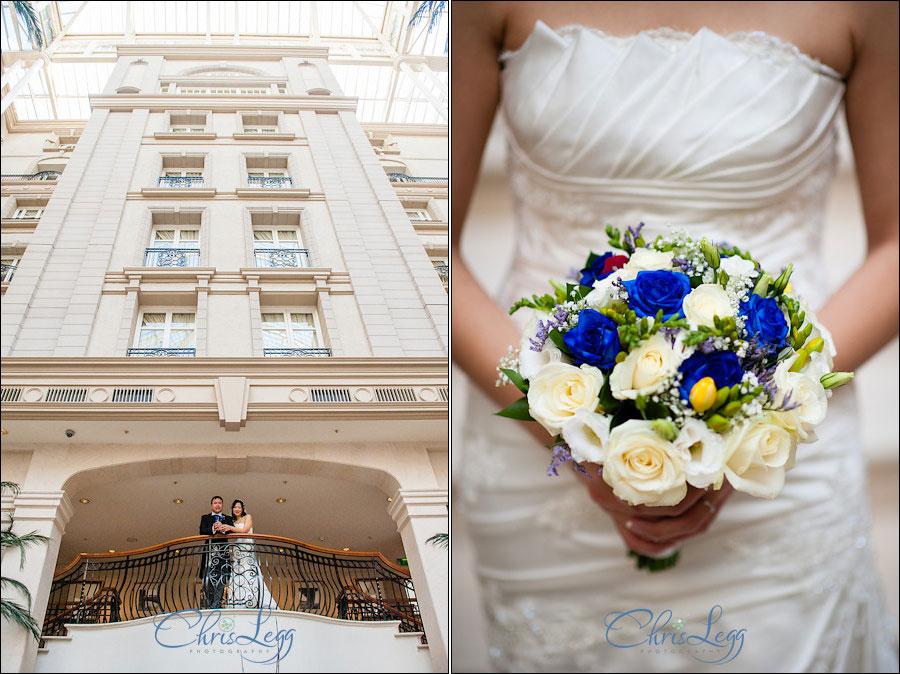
(280, 368)
(407, 129)
(221, 52)
(223, 103)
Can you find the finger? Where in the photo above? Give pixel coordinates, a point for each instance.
(641, 545)
(672, 529)
(603, 495)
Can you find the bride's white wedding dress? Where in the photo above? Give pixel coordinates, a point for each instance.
(247, 584)
(727, 137)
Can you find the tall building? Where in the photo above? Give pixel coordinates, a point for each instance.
(230, 279)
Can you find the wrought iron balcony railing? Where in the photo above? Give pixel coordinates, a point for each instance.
(298, 353)
(163, 353)
(403, 178)
(23, 177)
(171, 257)
(273, 182)
(281, 257)
(180, 181)
(6, 272)
(246, 571)
(443, 271)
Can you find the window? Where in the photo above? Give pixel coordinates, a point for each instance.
(8, 268)
(289, 333)
(278, 248)
(188, 122)
(164, 334)
(260, 129)
(418, 214)
(442, 268)
(279, 173)
(174, 247)
(259, 123)
(248, 91)
(28, 213)
(178, 171)
(268, 172)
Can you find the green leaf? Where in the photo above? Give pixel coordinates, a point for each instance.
(557, 338)
(516, 379)
(607, 401)
(518, 410)
(626, 411)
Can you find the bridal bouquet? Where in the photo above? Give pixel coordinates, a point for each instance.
(675, 363)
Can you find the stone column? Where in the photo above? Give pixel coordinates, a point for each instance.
(43, 512)
(419, 514)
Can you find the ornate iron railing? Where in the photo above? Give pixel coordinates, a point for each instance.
(443, 271)
(171, 257)
(281, 257)
(7, 271)
(403, 178)
(297, 353)
(275, 182)
(24, 177)
(249, 571)
(180, 181)
(163, 353)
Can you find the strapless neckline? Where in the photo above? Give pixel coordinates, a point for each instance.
(763, 44)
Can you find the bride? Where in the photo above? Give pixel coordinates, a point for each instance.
(722, 124)
(247, 586)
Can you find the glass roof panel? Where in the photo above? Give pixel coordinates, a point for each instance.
(82, 59)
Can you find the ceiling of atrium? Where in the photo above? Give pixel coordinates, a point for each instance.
(367, 40)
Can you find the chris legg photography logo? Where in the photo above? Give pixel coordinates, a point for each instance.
(210, 632)
(661, 634)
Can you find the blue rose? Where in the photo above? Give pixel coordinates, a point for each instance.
(601, 267)
(723, 366)
(655, 290)
(765, 321)
(595, 340)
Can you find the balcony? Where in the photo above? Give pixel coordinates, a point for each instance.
(281, 257)
(274, 182)
(297, 353)
(171, 257)
(6, 272)
(163, 353)
(254, 571)
(29, 177)
(443, 271)
(403, 178)
(180, 181)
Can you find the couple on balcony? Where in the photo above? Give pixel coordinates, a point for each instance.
(231, 563)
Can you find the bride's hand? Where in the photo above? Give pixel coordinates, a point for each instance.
(651, 530)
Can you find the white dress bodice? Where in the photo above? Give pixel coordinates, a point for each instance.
(727, 137)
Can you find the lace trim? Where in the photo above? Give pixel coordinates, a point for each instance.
(762, 44)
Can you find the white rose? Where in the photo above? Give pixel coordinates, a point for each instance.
(604, 291)
(587, 434)
(531, 361)
(704, 302)
(805, 391)
(559, 390)
(643, 468)
(646, 368)
(738, 266)
(646, 259)
(759, 452)
(706, 450)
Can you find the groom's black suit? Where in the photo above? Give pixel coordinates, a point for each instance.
(215, 564)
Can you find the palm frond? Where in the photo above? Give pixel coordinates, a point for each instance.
(20, 542)
(440, 540)
(9, 486)
(21, 587)
(28, 16)
(14, 613)
(433, 10)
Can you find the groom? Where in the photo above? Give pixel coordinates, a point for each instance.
(215, 565)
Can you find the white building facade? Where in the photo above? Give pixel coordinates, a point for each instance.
(225, 284)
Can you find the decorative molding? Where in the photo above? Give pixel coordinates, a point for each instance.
(220, 53)
(178, 192)
(182, 135)
(221, 103)
(272, 193)
(263, 137)
(379, 128)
